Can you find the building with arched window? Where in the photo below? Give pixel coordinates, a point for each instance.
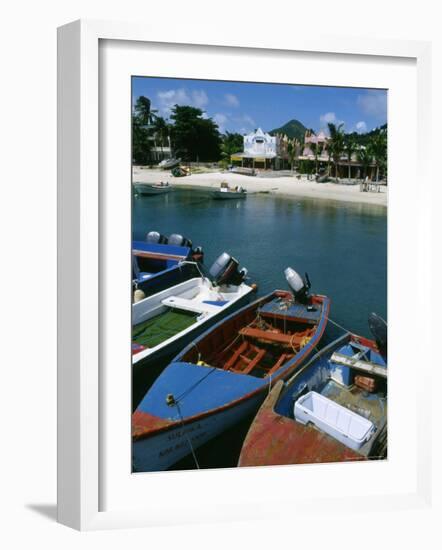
(261, 150)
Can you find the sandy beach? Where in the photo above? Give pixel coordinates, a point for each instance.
(286, 185)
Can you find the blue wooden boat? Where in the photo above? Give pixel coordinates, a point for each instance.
(225, 374)
(334, 409)
(160, 262)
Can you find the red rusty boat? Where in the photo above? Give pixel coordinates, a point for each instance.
(333, 409)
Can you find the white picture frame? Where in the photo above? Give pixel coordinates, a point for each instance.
(82, 296)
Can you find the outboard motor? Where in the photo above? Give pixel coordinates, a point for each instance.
(198, 254)
(299, 285)
(153, 237)
(178, 240)
(225, 271)
(378, 327)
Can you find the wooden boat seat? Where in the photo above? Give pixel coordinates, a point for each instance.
(189, 305)
(283, 358)
(277, 337)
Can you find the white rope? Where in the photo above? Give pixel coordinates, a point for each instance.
(185, 435)
(338, 325)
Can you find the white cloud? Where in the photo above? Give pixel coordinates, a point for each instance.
(373, 103)
(361, 127)
(181, 96)
(245, 122)
(199, 98)
(242, 124)
(221, 120)
(231, 100)
(328, 118)
(331, 118)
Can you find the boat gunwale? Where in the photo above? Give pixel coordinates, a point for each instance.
(148, 352)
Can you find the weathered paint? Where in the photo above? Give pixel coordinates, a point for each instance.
(240, 396)
(274, 439)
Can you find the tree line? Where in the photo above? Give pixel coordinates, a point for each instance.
(191, 135)
(194, 137)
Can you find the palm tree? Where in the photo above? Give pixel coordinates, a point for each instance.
(365, 157)
(160, 128)
(143, 111)
(350, 148)
(336, 144)
(292, 152)
(378, 147)
(315, 148)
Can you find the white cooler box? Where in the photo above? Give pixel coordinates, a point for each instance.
(349, 428)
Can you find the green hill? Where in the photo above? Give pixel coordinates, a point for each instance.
(292, 129)
(363, 139)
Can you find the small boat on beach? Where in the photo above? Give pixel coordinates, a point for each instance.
(152, 188)
(162, 324)
(333, 409)
(166, 164)
(225, 192)
(225, 374)
(160, 262)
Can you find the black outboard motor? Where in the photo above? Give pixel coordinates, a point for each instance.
(378, 327)
(225, 271)
(178, 240)
(299, 285)
(153, 237)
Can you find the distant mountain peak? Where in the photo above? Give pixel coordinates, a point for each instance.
(292, 129)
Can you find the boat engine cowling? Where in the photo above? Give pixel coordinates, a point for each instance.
(178, 240)
(225, 271)
(378, 328)
(153, 237)
(299, 285)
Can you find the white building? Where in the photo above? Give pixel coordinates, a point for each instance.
(260, 144)
(260, 148)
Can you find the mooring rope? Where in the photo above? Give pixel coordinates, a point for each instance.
(338, 325)
(186, 436)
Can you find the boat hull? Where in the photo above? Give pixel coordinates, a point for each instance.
(228, 195)
(145, 371)
(168, 447)
(146, 189)
(149, 425)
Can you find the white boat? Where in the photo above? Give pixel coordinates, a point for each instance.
(169, 163)
(164, 323)
(226, 192)
(152, 188)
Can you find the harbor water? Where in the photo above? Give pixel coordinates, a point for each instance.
(342, 246)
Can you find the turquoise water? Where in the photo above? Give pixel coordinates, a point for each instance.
(342, 246)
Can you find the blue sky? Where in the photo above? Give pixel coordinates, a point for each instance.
(242, 107)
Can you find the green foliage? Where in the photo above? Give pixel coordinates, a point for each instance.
(194, 137)
(231, 143)
(364, 139)
(140, 143)
(336, 144)
(365, 157)
(142, 118)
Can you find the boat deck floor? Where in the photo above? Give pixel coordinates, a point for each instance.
(154, 331)
(369, 405)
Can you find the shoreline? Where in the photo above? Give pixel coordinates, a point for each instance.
(285, 185)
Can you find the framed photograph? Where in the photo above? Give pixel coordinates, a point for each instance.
(234, 240)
